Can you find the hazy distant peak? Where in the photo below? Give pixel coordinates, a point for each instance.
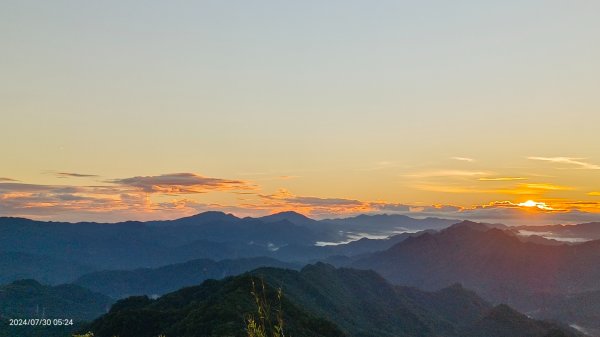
(286, 215)
(381, 216)
(290, 213)
(212, 216)
(291, 217)
(466, 224)
(319, 267)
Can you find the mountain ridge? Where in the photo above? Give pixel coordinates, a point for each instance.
(320, 291)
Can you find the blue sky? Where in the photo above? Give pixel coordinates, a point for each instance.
(358, 100)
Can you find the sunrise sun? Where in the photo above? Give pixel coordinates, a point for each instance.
(531, 203)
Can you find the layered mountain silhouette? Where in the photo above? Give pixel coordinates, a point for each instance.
(539, 276)
(386, 223)
(29, 298)
(320, 300)
(496, 264)
(581, 310)
(25, 299)
(158, 281)
(74, 249)
(579, 232)
(216, 308)
(46, 269)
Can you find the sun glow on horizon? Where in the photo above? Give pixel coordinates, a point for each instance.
(532, 203)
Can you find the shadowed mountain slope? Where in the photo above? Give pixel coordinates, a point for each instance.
(495, 263)
(158, 281)
(28, 299)
(359, 303)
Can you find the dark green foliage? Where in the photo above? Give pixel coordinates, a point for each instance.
(455, 304)
(360, 303)
(216, 308)
(30, 299)
(27, 299)
(263, 323)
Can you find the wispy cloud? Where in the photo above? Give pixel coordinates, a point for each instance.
(181, 183)
(284, 200)
(501, 178)
(15, 187)
(171, 196)
(507, 212)
(515, 213)
(519, 189)
(445, 188)
(75, 175)
(127, 198)
(416, 209)
(40, 201)
(548, 187)
(384, 165)
(594, 194)
(467, 159)
(6, 179)
(533, 189)
(448, 173)
(578, 162)
(287, 177)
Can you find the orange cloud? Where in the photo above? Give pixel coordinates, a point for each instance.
(533, 189)
(145, 198)
(548, 187)
(284, 200)
(288, 177)
(129, 198)
(182, 183)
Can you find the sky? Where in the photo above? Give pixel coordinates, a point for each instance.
(119, 110)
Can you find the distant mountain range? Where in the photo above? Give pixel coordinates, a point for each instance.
(46, 269)
(536, 274)
(58, 252)
(137, 244)
(497, 264)
(385, 223)
(574, 233)
(323, 301)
